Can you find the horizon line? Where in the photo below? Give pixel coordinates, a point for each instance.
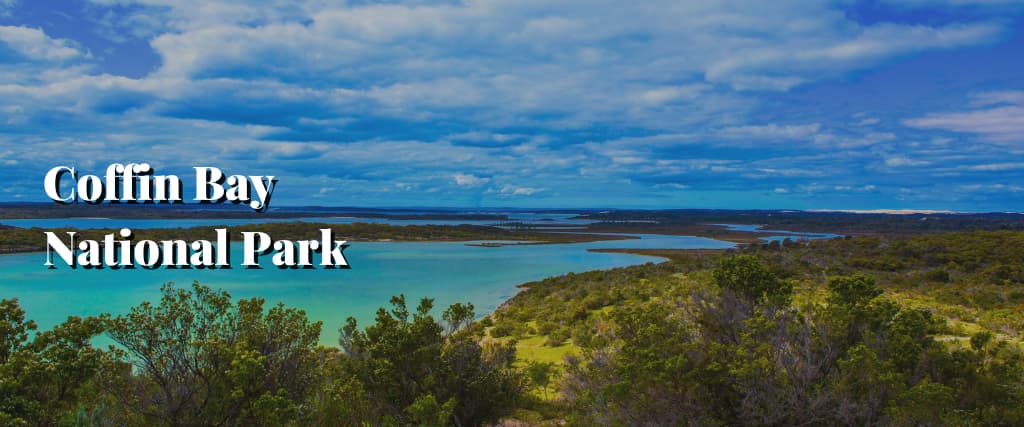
(873, 211)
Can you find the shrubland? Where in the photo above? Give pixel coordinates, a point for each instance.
(872, 330)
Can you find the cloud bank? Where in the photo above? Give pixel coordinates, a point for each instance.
(532, 103)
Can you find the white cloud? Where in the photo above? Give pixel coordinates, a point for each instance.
(853, 141)
(1002, 122)
(469, 180)
(991, 188)
(779, 66)
(33, 44)
(463, 97)
(773, 131)
(901, 161)
(573, 62)
(852, 188)
(1012, 97)
(995, 167)
(662, 95)
(794, 172)
(519, 191)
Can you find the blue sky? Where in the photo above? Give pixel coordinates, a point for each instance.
(660, 104)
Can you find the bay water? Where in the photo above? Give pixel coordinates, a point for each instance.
(448, 272)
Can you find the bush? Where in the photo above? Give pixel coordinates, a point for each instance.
(557, 337)
(938, 276)
(546, 327)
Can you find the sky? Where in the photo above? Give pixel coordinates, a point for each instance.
(883, 104)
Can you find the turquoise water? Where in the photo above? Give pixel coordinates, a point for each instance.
(795, 235)
(448, 272)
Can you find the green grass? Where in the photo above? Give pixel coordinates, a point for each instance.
(532, 349)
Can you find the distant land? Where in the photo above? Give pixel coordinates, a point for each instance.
(193, 211)
(897, 211)
(13, 210)
(514, 224)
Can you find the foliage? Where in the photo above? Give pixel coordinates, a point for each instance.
(411, 364)
(744, 274)
(200, 359)
(44, 378)
(541, 374)
(702, 339)
(197, 358)
(719, 359)
(874, 330)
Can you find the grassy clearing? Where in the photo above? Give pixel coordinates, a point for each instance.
(532, 349)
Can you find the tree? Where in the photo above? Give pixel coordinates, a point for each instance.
(746, 276)
(14, 330)
(852, 291)
(458, 316)
(410, 365)
(925, 404)
(203, 360)
(540, 374)
(43, 381)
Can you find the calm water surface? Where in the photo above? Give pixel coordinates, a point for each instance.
(448, 272)
(795, 235)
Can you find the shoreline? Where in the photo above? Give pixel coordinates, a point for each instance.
(643, 256)
(512, 287)
(20, 241)
(665, 255)
(25, 240)
(467, 242)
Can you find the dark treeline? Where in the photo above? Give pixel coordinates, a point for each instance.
(635, 221)
(826, 222)
(837, 332)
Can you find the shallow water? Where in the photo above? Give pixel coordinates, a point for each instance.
(447, 272)
(794, 235)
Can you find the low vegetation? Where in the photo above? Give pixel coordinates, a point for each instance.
(197, 358)
(877, 330)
